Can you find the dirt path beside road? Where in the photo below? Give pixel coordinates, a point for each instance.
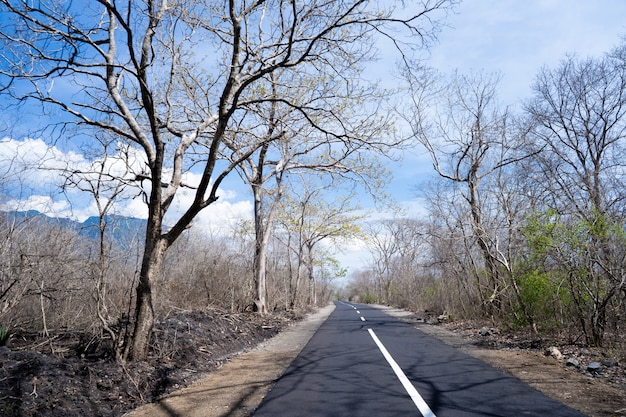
(237, 388)
(591, 396)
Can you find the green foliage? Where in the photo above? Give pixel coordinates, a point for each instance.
(538, 278)
(331, 265)
(539, 233)
(566, 271)
(602, 227)
(368, 298)
(534, 287)
(541, 297)
(4, 336)
(429, 292)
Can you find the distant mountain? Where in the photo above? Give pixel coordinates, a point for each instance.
(121, 228)
(34, 215)
(124, 230)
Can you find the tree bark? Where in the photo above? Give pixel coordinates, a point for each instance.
(260, 252)
(262, 231)
(139, 344)
(309, 264)
(294, 278)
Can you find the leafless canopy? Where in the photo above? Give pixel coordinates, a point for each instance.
(174, 78)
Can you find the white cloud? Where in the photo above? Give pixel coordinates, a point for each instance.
(218, 218)
(355, 256)
(222, 217)
(32, 173)
(134, 207)
(34, 164)
(43, 204)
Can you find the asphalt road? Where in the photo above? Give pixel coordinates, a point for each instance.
(363, 362)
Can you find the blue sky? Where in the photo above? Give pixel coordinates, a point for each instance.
(513, 37)
(518, 37)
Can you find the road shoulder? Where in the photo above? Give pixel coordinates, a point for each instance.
(237, 388)
(590, 396)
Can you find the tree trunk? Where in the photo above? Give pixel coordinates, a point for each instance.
(312, 289)
(492, 302)
(294, 280)
(139, 344)
(260, 255)
(262, 237)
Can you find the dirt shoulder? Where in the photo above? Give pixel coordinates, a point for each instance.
(237, 388)
(591, 395)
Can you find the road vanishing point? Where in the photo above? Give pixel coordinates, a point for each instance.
(364, 362)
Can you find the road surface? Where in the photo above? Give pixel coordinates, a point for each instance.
(363, 362)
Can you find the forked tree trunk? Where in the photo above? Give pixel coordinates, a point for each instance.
(262, 235)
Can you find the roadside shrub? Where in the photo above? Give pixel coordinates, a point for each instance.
(4, 336)
(368, 298)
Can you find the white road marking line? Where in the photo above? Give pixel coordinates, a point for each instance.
(358, 312)
(415, 396)
(362, 319)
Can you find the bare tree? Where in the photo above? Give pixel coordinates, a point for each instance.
(106, 180)
(309, 219)
(217, 275)
(579, 115)
(396, 247)
(170, 79)
(43, 276)
(361, 287)
(15, 277)
(292, 145)
(468, 138)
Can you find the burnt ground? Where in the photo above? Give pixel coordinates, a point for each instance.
(69, 374)
(61, 377)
